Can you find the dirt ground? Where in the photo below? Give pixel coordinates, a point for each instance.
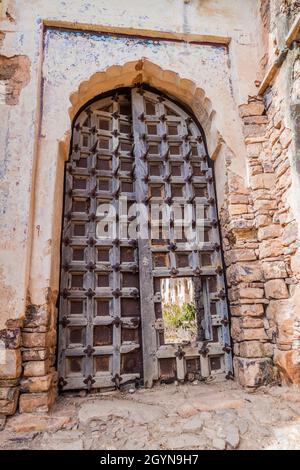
(189, 416)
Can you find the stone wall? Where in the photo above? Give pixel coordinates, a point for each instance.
(261, 244)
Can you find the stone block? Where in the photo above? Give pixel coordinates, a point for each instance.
(262, 181)
(264, 205)
(251, 293)
(7, 393)
(10, 363)
(37, 315)
(276, 289)
(270, 231)
(270, 248)
(8, 405)
(254, 130)
(34, 354)
(238, 199)
(290, 234)
(249, 272)
(251, 349)
(262, 220)
(11, 338)
(275, 308)
(253, 372)
(37, 423)
(251, 334)
(288, 365)
(237, 209)
(36, 402)
(38, 340)
(241, 255)
(285, 138)
(254, 108)
(251, 322)
(254, 150)
(251, 310)
(248, 329)
(38, 384)
(274, 270)
(36, 368)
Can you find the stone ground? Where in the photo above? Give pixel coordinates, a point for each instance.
(189, 416)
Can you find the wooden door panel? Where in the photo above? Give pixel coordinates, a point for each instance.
(99, 328)
(138, 150)
(173, 172)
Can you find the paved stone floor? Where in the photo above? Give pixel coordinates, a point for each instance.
(191, 416)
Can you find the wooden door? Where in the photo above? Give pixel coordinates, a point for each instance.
(132, 151)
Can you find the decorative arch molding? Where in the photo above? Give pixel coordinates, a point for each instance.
(182, 90)
(167, 81)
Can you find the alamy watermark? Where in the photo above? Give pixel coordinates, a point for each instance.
(125, 219)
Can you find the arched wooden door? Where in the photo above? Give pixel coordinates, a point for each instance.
(140, 228)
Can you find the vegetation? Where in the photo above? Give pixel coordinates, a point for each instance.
(176, 316)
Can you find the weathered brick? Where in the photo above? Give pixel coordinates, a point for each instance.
(270, 248)
(38, 340)
(237, 209)
(36, 402)
(270, 231)
(36, 368)
(10, 363)
(253, 372)
(9, 405)
(251, 293)
(285, 138)
(37, 315)
(244, 273)
(274, 270)
(38, 384)
(254, 108)
(251, 310)
(276, 289)
(252, 349)
(34, 354)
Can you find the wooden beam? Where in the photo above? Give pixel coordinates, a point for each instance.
(140, 33)
(273, 69)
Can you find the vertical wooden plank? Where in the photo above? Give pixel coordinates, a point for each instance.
(180, 367)
(217, 260)
(204, 366)
(207, 314)
(90, 277)
(145, 258)
(116, 362)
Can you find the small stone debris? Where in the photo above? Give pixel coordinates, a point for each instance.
(2, 422)
(218, 443)
(232, 436)
(215, 417)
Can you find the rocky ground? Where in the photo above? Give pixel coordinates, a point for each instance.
(191, 416)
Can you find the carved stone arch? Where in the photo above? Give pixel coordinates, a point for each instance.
(185, 91)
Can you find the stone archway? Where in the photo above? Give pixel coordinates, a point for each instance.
(137, 147)
(39, 333)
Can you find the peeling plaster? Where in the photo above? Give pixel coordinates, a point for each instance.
(14, 75)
